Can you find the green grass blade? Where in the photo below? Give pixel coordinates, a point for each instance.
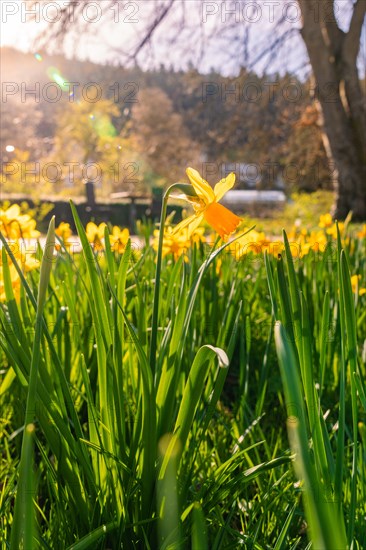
(199, 531)
(23, 527)
(168, 507)
(92, 539)
(271, 285)
(325, 522)
(294, 291)
(23, 504)
(324, 335)
(338, 480)
(351, 346)
(191, 395)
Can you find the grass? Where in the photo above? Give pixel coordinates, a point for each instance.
(245, 427)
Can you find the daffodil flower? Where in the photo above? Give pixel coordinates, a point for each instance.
(15, 225)
(177, 243)
(362, 233)
(254, 242)
(95, 235)
(207, 207)
(119, 239)
(355, 281)
(325, 220)
(64, 232)
(25, 260)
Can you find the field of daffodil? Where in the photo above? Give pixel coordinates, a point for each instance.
(198, 385)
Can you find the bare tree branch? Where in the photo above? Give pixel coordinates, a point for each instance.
(351, 44)
(335, 34)
(152, 28)
(271, 49)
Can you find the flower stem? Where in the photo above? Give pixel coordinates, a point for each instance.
(155, 314)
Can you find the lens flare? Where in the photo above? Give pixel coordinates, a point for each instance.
(55, 75)
(102, 125)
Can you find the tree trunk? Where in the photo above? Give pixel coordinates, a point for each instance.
(333, 56)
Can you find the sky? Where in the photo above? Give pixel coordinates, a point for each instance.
(214, 33)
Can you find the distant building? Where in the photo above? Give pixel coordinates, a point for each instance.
(248, 175)
(254, 175)
(255, 202)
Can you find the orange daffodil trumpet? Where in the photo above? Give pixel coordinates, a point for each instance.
(207, 207)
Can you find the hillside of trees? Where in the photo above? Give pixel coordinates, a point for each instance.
(68, 121)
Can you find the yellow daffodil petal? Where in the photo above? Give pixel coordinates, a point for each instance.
(125, 235)
(221, 219)
(13, 212)
(101, 228)
(189, 224)
(223, 186)
(362, 233)
(202, 188)
(91, 227)
(325, 220)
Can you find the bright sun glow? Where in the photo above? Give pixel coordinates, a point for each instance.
(17, 29)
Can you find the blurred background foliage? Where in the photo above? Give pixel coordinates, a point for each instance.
(147, 126)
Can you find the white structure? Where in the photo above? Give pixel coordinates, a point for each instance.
(248, 176)
(246, 199)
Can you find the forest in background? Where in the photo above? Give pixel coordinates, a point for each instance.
(68, 121)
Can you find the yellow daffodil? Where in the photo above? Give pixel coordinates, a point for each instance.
(315, 241)
(362, 233)
(355, 285)
(218, 268)
(15, 281)
(95, 235)
(15, 225)
(25, 259)
(24, 254)
(177, 243)
(64, 232)
(119, 239)
(332, 229)
(255, 242)
(297, 234)
(207, 207)
(325, 220)
(198, 235)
